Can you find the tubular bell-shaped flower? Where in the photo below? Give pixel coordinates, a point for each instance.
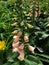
(18, 48)
(31, 48)
(15, 32)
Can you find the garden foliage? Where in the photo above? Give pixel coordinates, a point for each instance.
(28, 22)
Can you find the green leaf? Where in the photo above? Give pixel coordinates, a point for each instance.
(28, 62)
(16, 63)
(43, 55)
(11, 56)
(34, 59)
(10, 59)
(7, 64)
(45, 60)
(32, 41)
(45, 35)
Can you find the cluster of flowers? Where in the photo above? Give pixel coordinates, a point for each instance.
(16, 44)
(19, 47)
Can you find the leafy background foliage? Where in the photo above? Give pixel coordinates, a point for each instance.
(39, 35)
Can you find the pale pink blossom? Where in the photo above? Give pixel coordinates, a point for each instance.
(14, 45)
(19, 33)
(15, 49)
(30, 26)
(20, 49)
(14, 24)
(15, 32)
(31, 48)
(16, 39)
(21, 46)
(21, 57)
(26, 39)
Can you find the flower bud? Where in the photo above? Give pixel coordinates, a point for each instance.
(22, 23)
(28, 18)
(48, 25)
(29, 14)
(19, 33)
(15, 32)
(26, 39)
(14, 24)
(30, 26)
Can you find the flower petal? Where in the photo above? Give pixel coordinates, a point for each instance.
(14, 45)
(16, 39)
(21, 57)
(15, 32)
(26, 39)
(19, 33)
(31, 48)
(21, 46)
(20, 49)
(15, 49)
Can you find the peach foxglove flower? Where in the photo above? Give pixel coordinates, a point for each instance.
(31, 48)
(20, 49)
(14, 45)
(15, 32)
(19, 33)
(15, 49)
(30, 26)
(14, 24)
(16, 39)
(21, 57)
(26, 39)
(48, 25)
(21, 52)
(21, 46)
(28, 18)
(36, 14)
